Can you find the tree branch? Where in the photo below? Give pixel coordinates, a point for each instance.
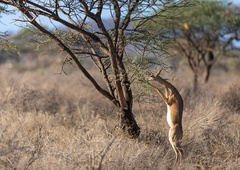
(65, 48)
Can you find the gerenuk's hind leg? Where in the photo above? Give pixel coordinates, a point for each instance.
(175, 134)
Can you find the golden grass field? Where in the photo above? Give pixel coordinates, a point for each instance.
(57, 121)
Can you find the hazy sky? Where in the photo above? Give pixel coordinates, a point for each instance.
(7, 21)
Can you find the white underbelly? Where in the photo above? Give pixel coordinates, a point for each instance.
(169, 120)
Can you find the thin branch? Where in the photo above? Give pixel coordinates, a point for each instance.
(65, 48)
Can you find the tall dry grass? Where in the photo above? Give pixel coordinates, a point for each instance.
(52, 121)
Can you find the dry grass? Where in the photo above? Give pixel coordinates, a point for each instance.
(51, 121)
(232, 97)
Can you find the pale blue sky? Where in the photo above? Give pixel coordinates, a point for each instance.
(7, 21)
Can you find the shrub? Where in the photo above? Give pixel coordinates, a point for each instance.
(231, 99)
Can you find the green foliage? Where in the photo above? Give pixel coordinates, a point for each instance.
(202, 31)
(8, 55)
(210, 17)
(7, 49)
(27, 40)
(169, 17)
(207, 14)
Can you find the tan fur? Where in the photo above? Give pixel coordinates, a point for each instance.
(174, 103)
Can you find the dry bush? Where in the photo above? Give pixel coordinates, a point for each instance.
(81, 133)
(231, 99)
(25, 99)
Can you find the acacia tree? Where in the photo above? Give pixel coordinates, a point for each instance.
(202, 33)
(208, 30)
(85, 35)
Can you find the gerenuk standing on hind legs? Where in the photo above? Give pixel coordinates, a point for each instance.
(174, 103)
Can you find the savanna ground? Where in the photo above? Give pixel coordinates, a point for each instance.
(57, 121)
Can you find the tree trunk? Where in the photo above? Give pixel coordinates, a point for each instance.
(129, 124)
(207, 73)
(209, 66)
(195, 83)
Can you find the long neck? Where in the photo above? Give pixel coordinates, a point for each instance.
(169, 85)
(175, 92)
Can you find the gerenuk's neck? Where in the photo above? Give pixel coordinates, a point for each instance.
(169, 85)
